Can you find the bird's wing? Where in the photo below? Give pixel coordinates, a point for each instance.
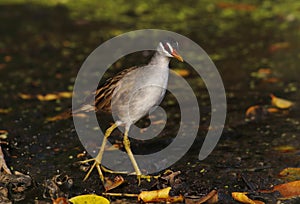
(100, 100)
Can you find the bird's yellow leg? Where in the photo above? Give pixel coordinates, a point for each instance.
(126, 143)
(98, 159)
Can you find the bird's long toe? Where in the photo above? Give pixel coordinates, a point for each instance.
(98, 167)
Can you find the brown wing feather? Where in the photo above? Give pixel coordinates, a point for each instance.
(104, 93)
(100, 100)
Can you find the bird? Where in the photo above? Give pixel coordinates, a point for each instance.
(129, 96)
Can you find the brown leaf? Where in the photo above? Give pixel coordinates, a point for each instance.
(286, 190)
(109, 184)
(161, 195)
(256, 112)
(60, 200)
(272, 110)
(169, 176)
(243, 198)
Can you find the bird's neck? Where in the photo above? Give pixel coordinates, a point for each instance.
(159, 59)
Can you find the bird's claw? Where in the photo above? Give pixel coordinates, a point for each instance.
(100, 169)
(95, 164)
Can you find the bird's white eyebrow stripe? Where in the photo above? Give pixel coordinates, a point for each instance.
(162, 46)
(170, 47)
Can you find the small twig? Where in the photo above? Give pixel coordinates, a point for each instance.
(121, 194)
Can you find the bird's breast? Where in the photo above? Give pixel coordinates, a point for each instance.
(138, 93)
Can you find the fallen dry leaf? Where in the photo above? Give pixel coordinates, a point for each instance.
(60, 200)
(256, 112)
(5, 110)
(109, 184)
(243, 198)
(290, 174)
(161, 195)
(89, 198)
(65, 94)
(3, 134)
(80, 155)
(25, 96)
(286, 190)
(169, 176)
(272, 110)
(280, 102)
(46, 97)
(285, 149)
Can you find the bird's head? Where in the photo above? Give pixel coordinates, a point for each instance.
(169, 48)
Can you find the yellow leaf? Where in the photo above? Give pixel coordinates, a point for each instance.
(25, 96)
(290, 174)
(280, 102)
(5, 110)
(65, 94)
(161, 195)
(47, 97)
(3, 134)
(89, 198)
(243, 198)
(285, 148)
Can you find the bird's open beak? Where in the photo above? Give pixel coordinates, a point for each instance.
(177, 56)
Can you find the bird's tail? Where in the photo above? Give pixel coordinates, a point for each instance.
(62, 116)
(69, 113)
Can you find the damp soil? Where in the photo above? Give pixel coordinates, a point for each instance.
(42, 48)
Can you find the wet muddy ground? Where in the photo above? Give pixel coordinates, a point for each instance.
(42, 49)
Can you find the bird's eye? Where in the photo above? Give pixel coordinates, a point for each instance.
(168, 47)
